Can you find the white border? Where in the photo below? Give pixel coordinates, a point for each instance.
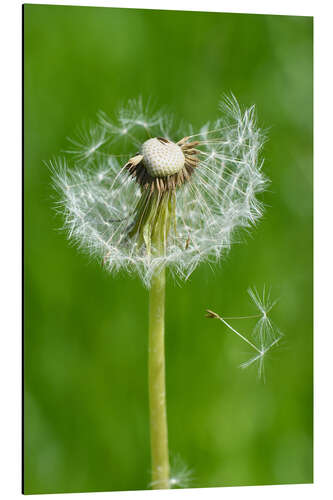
(10, 199)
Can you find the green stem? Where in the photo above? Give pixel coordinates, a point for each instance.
(157, 397)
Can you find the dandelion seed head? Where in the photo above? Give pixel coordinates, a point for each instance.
(126, 176)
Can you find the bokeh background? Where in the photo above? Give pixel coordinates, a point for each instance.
(86, 399)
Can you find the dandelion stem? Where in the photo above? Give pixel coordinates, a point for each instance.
(157, 396)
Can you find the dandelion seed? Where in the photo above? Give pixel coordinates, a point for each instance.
(87, 143)
(265, 332)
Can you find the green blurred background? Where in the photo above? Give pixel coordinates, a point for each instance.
(86, 400)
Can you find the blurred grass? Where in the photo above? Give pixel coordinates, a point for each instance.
(86, 404)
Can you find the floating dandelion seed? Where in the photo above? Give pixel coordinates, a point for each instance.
(197, 189)
(143, 196)
(265, 332)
